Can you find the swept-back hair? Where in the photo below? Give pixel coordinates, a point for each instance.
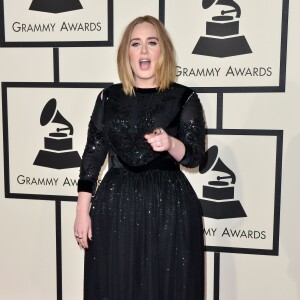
(166, 65)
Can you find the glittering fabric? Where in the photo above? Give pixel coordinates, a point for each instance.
(146, 218)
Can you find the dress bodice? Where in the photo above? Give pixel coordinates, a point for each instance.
(119, 123)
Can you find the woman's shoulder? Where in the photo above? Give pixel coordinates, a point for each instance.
(110, 90)
(115, 87)
(182, 88)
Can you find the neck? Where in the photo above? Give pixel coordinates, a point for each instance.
(145, 84)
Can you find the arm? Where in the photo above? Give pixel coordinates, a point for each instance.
(188, 149)
(93, 158)
(82, 224)
(192, 132)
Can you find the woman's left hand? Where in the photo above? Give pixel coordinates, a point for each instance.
(159, 140)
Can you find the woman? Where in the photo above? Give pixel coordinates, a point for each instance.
(143, 230)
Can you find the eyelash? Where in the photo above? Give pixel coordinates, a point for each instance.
(151, 43)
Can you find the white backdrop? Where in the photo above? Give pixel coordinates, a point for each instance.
(247, 117)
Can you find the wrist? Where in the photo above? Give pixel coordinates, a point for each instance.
(82, 209)
(83, 203)
(172, 144)
(177, 149)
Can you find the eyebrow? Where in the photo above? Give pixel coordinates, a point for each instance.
(149, 38)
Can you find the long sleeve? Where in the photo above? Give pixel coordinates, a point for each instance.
(192, 132)
(95, 150)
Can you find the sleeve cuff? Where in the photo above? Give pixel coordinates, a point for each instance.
(85, 186)
(191, 158)
(186, 158)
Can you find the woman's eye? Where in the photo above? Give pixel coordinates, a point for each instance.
(136, 44)
(152, 43)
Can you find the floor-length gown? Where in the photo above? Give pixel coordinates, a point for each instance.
(146, 219)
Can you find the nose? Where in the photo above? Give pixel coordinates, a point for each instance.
(144, 49)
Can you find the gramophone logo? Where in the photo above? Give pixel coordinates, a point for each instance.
(222, 32)
(58, 153)
(55, 6)
(218, 200)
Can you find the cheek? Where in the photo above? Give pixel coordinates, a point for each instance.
(157, 54)
(131, 61)
(133, 58)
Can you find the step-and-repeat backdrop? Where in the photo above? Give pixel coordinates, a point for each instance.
(224, 48)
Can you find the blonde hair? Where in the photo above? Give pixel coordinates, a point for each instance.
(166, 65)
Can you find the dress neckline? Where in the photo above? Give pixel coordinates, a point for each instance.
(145, 90)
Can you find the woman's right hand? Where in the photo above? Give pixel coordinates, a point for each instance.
(83, 224)
(83, 229)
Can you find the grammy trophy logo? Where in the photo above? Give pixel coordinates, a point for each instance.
(222, 32)
(218, 195)
(58, 153)
(55, 6)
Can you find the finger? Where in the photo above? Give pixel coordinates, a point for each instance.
(84, 242)
(80, 243)
(159, 141)
(78, 236)
(158, 147)
(77, 233)
(90, 233)
(157, 131)
(159, 144)
(148, 136)
(154, 139)
(83, 239)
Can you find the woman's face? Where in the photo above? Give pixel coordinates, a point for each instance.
(144, 52)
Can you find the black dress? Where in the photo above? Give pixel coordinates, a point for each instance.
(146, 218)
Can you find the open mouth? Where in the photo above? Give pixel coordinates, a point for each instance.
(145, 64)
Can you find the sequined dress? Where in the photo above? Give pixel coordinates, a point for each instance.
(146, 219)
